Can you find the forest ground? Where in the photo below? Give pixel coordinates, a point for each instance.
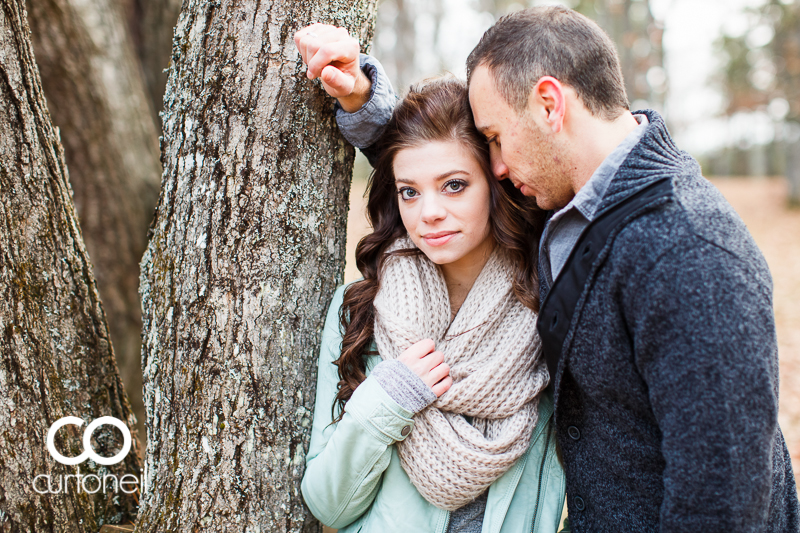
(761, 202)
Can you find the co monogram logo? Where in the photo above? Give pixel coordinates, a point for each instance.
(88, 452)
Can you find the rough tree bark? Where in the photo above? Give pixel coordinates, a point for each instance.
(94, 89)
(152, 24)
(248, 245)
(55, 356)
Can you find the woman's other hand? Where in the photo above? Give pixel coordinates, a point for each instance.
(332, 55)
(427, 363)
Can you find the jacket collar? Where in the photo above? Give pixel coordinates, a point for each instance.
(654, 157)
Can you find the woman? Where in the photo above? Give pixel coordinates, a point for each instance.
(449, 428)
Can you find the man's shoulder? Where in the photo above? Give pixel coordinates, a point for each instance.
(695, 221)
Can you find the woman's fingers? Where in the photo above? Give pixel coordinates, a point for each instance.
(342, 53)
(437, 374)
(336, 83)
(428, 363)
(417, 351)
(307, 40)
(443, 386)
(433, 359)
(323, 46)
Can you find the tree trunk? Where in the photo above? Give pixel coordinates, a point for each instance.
(406, 45)
(56, 360)
(94, 90)
(248, 245)
(793, 170)
(152, 24)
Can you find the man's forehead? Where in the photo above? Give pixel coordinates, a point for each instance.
(483, 97)
(481, 80)
(481, 94)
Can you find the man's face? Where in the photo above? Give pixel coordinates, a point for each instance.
(521, 149)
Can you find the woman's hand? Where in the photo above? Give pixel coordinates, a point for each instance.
(331, 55)
(423, 359)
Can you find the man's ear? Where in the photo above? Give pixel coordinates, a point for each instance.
(548, 103)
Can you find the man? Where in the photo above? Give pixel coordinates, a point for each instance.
(657, 317)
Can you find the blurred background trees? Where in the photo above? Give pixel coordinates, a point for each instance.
(638, 35)
(760, 79)
(420, 38)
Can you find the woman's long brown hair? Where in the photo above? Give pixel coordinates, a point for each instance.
(435, 110)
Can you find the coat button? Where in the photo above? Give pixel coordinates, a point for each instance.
(580, 505)
(405, 431)
(574, 433)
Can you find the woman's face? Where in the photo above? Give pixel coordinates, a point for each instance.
(443, 196)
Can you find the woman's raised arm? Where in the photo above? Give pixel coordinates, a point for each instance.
(361, 87)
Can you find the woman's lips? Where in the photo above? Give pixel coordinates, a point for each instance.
(440, 238)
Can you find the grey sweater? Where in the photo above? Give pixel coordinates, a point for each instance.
(667, 386)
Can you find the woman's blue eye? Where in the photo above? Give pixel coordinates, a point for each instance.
(454, 186)
(407, 193)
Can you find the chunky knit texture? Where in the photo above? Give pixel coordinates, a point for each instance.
(494, 356)
(403, 385)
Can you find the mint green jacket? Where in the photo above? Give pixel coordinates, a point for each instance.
(354, 482)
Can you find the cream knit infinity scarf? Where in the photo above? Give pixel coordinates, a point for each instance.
(495, 361)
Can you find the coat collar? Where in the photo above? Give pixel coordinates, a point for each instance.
(654, 157)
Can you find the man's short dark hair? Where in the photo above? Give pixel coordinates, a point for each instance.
(552, 41)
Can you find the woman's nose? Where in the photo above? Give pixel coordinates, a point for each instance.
(432, 209)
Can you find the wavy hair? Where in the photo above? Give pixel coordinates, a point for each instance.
(434, 110)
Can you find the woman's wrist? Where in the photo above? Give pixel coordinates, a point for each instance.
(403, 385)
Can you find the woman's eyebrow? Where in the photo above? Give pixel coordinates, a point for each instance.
(440, 177)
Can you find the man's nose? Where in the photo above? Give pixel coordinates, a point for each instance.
(499, 168)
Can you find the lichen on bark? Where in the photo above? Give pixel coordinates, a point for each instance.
(247, 248)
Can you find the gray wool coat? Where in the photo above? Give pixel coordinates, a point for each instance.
(667, 382)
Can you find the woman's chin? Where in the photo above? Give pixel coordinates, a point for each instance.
(443, 257)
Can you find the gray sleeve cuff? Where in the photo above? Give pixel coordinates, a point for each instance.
(403, 385)
(363, 128)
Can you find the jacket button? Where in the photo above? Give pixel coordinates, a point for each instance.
(405, 431)
(574, 433)
(580, 505)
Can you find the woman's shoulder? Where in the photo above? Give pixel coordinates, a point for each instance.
(338, 297)
(339, 292)
(332, 334)
(333, 327)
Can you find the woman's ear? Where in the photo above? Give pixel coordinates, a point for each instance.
(547, 104)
